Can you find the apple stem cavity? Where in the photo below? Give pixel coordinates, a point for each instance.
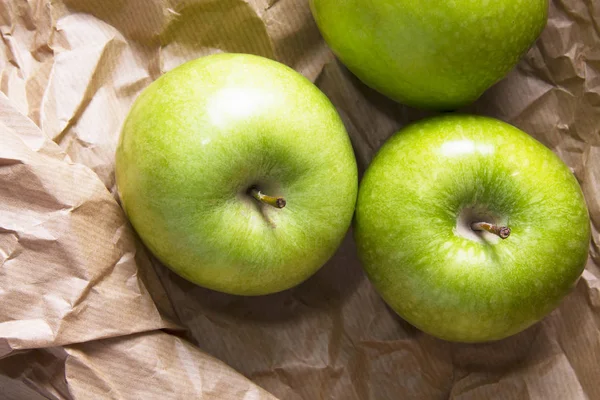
(502, 231)
(277, 202)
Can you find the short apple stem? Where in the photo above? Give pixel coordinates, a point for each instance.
(277, 202)
(502, 231)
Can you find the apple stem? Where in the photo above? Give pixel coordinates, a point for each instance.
(502, 231)
(277, 202)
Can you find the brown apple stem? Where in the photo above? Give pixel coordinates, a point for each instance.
(502, 231)
(277, 202)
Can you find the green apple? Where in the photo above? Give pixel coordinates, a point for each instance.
(430, 54)
(470, 229)
(237, 173)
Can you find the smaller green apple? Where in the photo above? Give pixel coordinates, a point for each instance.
(431, 54)
(237, 173)
(469, 228)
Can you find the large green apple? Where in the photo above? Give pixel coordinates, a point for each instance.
(237, 173)
(470, 229)
(433, 54)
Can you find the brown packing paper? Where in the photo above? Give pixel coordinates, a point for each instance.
(62, 266)
(164, 366)
(83, 304)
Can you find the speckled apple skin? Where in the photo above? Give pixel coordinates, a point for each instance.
(432, 54)
(451, 286)
(200, 136)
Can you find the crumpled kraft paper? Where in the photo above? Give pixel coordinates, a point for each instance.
(87, 312)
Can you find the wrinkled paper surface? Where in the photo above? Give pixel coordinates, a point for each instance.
(87, 312)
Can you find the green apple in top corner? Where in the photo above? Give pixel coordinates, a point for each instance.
(431, 54)
(237, 173)
(470, 229)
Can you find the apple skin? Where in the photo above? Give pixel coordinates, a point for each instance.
(415, 205)
(441, 55)
(200, 136)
